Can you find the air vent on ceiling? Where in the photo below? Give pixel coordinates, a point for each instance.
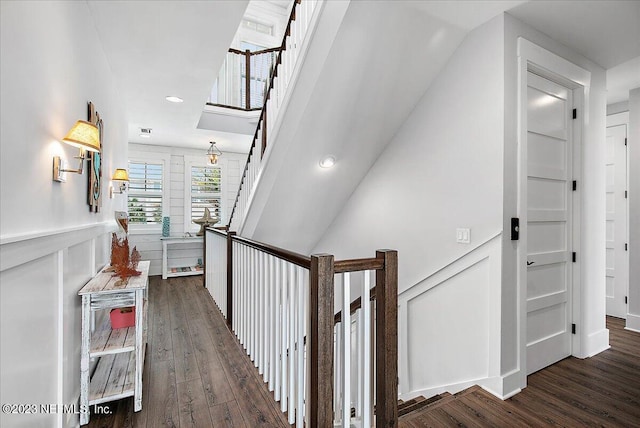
(145, 131)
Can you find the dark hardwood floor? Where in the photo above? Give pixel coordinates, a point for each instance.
(601, 391)
(195, 373)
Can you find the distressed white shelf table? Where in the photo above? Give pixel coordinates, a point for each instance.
(167, 271)
(118, 373)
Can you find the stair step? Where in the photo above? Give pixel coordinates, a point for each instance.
(418, 403)
(425, 405)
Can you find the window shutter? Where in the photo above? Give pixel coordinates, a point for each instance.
(206, 191)
(145, 193)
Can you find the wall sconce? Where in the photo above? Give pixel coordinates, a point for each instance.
(122, 176)
(213, 153)
(86, 137)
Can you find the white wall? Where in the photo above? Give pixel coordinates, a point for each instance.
(148, 242)
(591, 311)
(50, 244)
(454, 164)
(441, 171)
(633, 317)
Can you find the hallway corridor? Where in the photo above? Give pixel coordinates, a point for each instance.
(195, 373)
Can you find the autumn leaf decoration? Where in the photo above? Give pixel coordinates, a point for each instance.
(123, 264)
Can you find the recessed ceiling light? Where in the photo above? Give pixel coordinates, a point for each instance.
(327, 162)
(174, 99)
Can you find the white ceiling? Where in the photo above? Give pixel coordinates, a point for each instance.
(607, 32)
(622, 78)
(159, 48)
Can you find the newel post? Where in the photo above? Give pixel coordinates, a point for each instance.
(387, 340)
(230, 236)
(321, 346)
(247, 83)
(204, 258)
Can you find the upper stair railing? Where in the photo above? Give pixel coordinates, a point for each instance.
(243, 78)
(284, 72)
(325, 369)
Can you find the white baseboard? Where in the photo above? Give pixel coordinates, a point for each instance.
(503, 387)
(595, 343)
(633, 323)
(430, 392)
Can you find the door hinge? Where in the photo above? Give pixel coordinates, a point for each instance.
(626, 246)
(515, 228)
(573, 329)
(625, 141)
(573, 257)
(575, 113)
(575, 185)
(626, 301)
(625, 194)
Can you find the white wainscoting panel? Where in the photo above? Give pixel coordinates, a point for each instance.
(40, 318)
(449, 325)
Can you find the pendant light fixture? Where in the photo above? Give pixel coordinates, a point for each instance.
(213, 153)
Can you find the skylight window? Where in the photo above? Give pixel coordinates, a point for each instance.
(257, 26)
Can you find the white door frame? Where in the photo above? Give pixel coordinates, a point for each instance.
(618, 119)
(532, 57)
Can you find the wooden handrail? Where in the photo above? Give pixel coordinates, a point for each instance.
(251, 53)
(356, 265)
(215, 230)
(234, 107)
(322, 320)
(286, 255)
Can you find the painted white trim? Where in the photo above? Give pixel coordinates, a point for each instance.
(633, 323)
(551, 63)
(452, 262)
(165, 158)
(60, 330)
(613, 120)
(22, 249)
(597, 342)
(618, 119)
(503, 387)
(489, 251)
(430, 392)
(532, 57)
(190, 161)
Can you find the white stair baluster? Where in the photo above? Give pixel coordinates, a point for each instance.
(365, 343)
(346, 348)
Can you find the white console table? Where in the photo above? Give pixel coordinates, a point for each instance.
(183, 270)
(118, 373)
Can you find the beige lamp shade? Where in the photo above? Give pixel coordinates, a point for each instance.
(84, 135)
(120, 175)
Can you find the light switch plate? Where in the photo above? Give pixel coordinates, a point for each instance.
(463, 236)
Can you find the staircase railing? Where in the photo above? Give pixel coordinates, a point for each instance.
(243, 78)
(282, 308)
(284, 72)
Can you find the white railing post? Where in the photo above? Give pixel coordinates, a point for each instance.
(346, 353)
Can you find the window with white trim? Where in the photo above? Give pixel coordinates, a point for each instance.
(144, 201)
(206, 191)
